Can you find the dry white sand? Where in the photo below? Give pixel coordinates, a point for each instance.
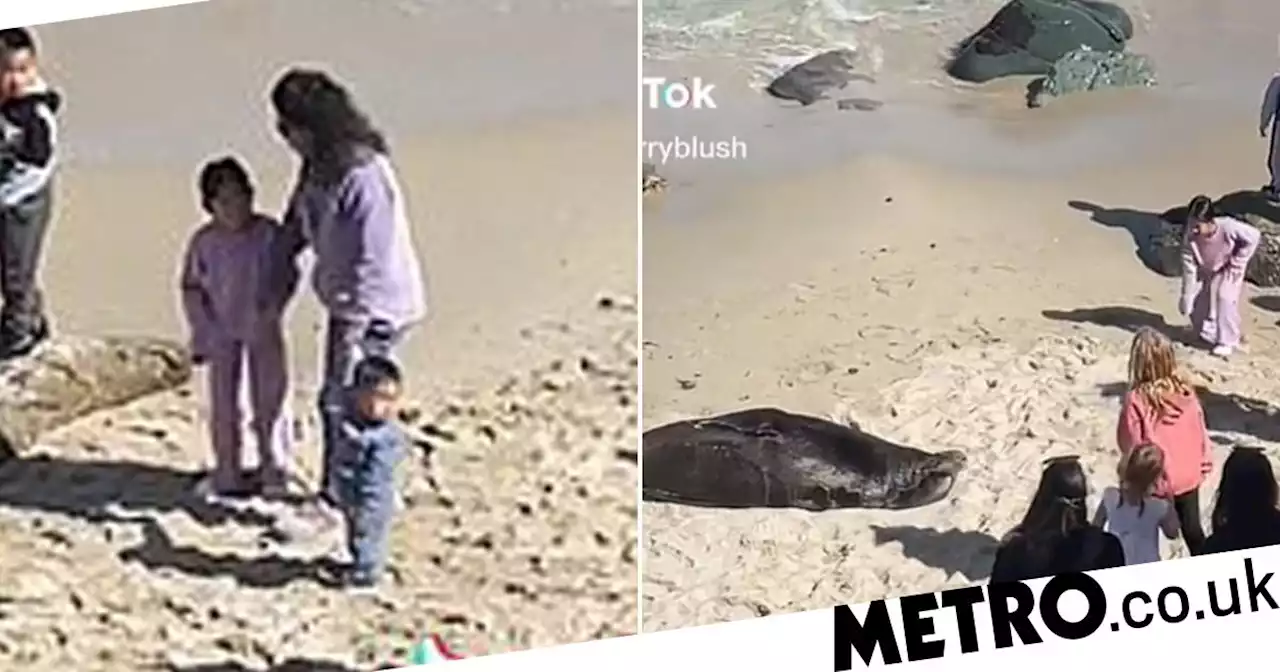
(519, 529)
(939, 308)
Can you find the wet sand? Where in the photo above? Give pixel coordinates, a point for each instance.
(514, 137)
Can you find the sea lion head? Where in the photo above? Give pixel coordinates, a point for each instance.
(930, 478)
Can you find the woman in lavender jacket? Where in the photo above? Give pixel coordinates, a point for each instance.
(347, 207)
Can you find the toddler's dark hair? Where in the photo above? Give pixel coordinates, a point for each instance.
(218, 173)
(17, 39)
(374, 371)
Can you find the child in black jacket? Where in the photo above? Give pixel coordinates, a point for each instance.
(28, 143)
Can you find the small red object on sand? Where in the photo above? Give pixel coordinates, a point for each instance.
(432, 649)
(443, 649)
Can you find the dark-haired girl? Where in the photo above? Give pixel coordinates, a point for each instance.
(1216, 251)
(1055, 536)
(348, 208)
(1245, 514)
(233, 300)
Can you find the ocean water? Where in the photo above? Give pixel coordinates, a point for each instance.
(909, 40)
(768, 35)
(1213, 61)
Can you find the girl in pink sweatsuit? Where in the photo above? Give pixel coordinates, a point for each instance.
(1215, 254)
(234, 296)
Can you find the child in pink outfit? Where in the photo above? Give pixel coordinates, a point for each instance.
(1160, 408)
(1215, 253)
(235, 315)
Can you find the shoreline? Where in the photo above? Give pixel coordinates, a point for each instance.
(989, 134)
(990, 131)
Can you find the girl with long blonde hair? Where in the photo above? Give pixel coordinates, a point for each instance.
(1161, 408)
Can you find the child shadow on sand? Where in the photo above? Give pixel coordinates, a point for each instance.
(1225, 414)
(157, 551)
(116, 490)
(968, 553)
(1269, 303)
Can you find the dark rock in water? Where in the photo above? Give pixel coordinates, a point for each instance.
(1026, 37)
(1087, 70)
(1249, 206)
(859, 104)
(810, 81)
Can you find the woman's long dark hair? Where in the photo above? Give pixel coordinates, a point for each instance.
(1247, 494)
(339, 131)
(1058, 508)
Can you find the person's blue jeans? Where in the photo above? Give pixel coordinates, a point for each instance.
(365, 477)
(342, 351)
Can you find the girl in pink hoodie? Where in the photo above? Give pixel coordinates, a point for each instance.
(1161, 408)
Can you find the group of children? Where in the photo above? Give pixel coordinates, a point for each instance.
(1165, 454)
(1165, 451)
(235, 284)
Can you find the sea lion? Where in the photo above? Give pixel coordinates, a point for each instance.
(770, 458)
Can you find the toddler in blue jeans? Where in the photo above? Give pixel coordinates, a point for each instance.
(370, 447)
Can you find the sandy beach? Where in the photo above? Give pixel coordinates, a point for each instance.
(942, 302)
(513, 131)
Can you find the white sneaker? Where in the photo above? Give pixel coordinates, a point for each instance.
(205, 491)
(1223, 350)
(310, 520)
